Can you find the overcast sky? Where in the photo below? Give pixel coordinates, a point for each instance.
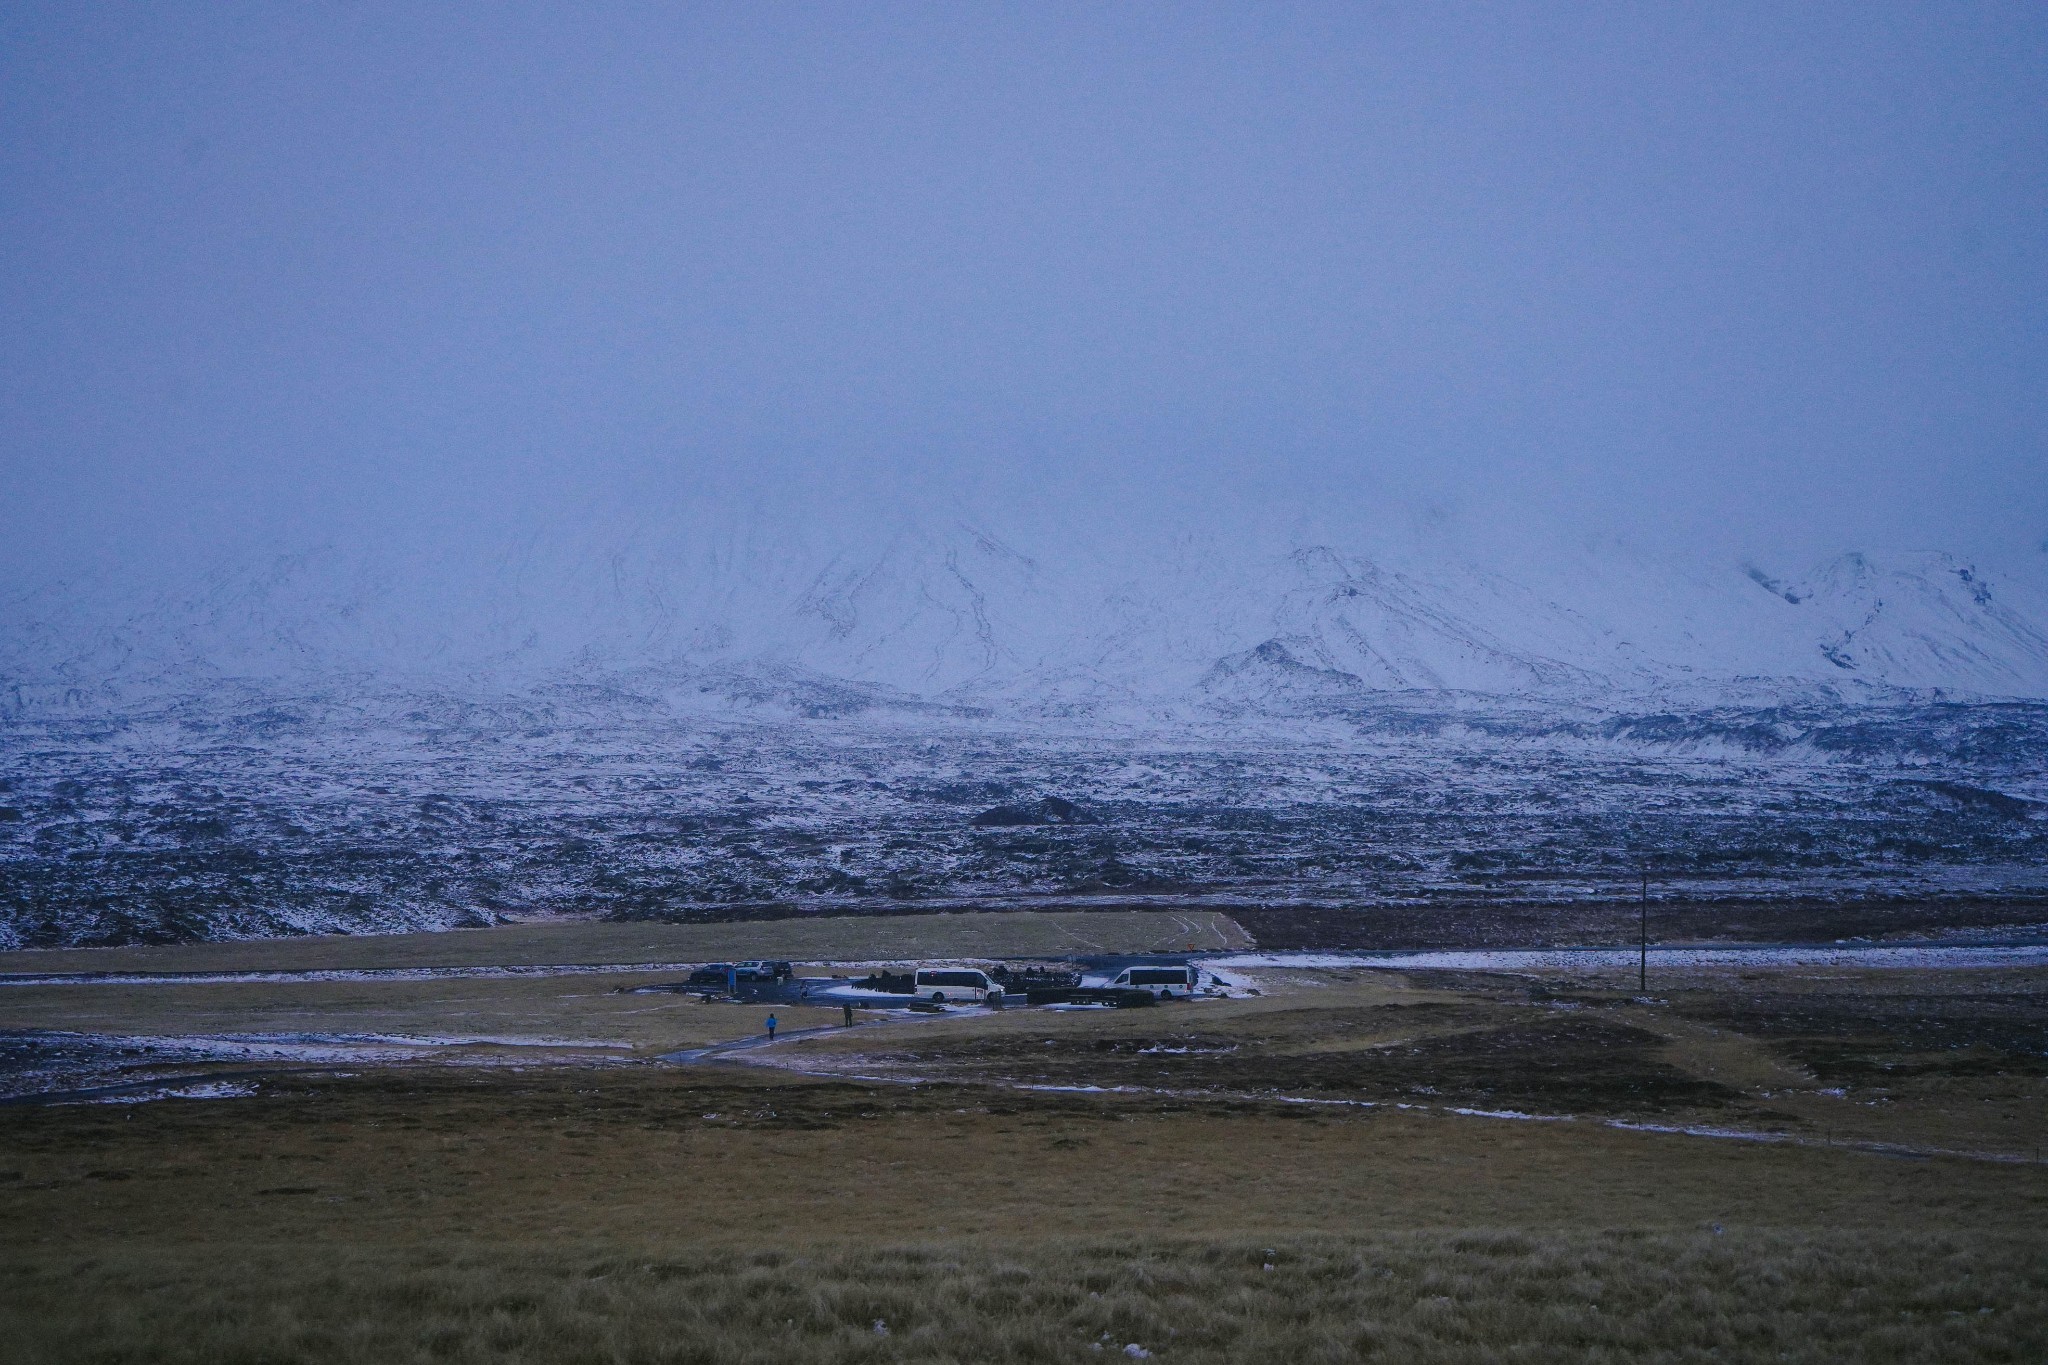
(1770, 275)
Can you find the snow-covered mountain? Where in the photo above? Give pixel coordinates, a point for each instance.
(951, 613)
(759, 715)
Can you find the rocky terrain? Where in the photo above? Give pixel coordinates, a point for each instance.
(277, 816)
(950, 721)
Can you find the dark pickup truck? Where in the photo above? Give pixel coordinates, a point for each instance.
(720, 973)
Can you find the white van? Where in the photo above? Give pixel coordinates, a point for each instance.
(944, 984)
(1164, 982)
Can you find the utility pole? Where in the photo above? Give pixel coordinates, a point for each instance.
(1643, 938)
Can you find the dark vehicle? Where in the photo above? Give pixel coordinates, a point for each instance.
(1119, 996)
(713, 974)
(1039, 979)
(891, 983)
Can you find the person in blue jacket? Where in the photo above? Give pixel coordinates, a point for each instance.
(771, 1028)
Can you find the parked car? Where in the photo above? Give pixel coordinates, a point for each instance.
(762, 969)
(713, 974)
(952, 984)
(1163, 982)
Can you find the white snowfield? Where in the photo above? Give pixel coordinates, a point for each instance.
(944, 611)
(322, 1047)
(319, 1047)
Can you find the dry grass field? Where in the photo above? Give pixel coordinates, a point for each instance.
(1056, 1186)
(642, 1214)
(1954, 1061)
(596, 1009)
(878, 938)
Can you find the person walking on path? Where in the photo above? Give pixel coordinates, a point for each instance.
(849, 1013)
(771, 1028)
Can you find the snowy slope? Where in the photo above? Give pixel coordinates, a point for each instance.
(951, 613)
(1930, 621)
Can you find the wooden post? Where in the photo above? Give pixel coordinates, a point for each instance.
(1643, 938)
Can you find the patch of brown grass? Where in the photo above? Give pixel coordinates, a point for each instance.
(824, 938)
(736, 1213)
(594, 1008)
(733, 1157)
(1944, 1060)
(1455, 1296)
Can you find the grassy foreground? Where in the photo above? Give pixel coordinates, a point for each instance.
(719, 1214)
(1436, 1167)
(1465, 1296)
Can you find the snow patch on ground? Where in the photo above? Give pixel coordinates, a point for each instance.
(199, 1090)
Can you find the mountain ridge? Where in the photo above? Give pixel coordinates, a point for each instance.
(959, 617)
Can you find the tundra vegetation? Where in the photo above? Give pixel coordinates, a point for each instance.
(1810, 1163)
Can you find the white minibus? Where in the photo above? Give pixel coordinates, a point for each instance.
(943, 984)
(1161, 981)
